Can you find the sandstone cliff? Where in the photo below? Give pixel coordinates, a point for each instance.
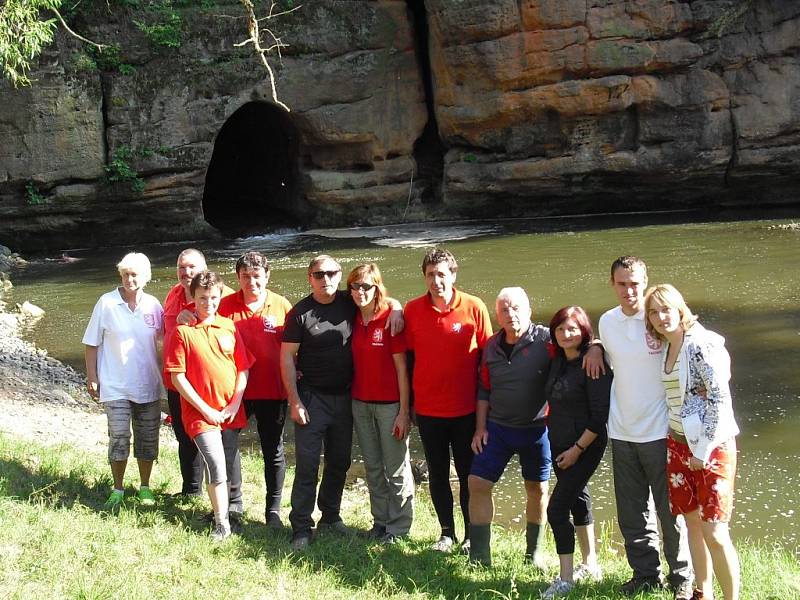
(506, 107)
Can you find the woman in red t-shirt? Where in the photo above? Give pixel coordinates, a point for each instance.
(381, 406)
(209, 364)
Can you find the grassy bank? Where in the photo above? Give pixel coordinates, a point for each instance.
(55, 543)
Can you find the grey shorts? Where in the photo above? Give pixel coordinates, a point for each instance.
(146, 420)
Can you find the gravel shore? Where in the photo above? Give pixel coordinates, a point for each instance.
(41, 398)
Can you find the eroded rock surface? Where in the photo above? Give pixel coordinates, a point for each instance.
(586, 104)
(539, 106)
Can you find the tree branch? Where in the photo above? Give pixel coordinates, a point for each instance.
(77, 35)
(255, 39)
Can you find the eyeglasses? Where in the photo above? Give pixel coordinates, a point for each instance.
(321, 274)
(364, 287)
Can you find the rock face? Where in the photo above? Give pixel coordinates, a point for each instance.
(532, 107)
(611, 104)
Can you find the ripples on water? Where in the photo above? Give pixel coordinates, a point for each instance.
(741, 277)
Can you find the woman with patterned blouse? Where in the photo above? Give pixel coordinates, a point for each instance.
(701, 448)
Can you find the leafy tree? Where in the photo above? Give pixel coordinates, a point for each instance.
(23, 35)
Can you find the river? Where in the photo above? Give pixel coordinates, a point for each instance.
(739, 275)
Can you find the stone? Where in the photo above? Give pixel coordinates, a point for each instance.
(30, 311)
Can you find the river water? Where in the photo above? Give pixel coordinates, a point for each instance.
(740, 276)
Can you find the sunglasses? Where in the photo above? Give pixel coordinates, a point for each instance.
(364, 287)
(321, 274)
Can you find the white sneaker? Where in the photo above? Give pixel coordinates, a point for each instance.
(558, 588)
(584, 572)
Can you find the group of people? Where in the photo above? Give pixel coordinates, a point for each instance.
(654, 382)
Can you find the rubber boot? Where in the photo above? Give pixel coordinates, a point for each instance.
(480, 538)
(533, 539)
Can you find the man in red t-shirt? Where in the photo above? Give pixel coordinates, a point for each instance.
(446, 330)
(259, 315)
(190, 263)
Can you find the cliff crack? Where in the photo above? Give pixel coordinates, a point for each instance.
(428, 149)
(732, 162)
(104, 113)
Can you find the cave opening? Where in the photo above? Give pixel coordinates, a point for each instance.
(428, 149)
(252, 182)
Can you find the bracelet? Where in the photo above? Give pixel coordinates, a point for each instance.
(581, 448)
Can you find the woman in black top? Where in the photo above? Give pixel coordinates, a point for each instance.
(578, 438)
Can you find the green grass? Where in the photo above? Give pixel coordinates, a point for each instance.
(56, 543)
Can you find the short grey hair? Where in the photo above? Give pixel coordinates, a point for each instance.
(196, 252)
(509, 294)
(138, 263)
(321, 258)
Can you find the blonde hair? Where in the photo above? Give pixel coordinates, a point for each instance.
(668, 296)
(372, 271)
(138, 263)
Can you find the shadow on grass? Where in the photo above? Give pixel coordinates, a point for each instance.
(409, 567)
(41, 481)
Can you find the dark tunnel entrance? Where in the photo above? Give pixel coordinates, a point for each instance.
(252, 180)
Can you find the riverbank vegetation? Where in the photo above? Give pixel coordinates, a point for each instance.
(56, 542)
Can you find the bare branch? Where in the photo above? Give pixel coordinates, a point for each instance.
(284, 12)
(255, 39)
(77, 35)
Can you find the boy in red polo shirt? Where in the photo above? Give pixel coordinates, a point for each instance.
(259, 315)
(209, 364)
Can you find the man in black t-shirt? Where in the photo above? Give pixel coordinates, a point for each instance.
(317, 335)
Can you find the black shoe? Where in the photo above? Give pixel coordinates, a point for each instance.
(389, 539)
(337, 527)
(376, 533)
(640, 584)
(273, 520)
(235, 518)
(300, 542)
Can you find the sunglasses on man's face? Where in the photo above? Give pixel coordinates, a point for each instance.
(321, 274)
(364, 287)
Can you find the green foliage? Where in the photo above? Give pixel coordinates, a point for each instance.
(126, 69)
(81, 61)
(119, 169)
(33, 195)
(470, 158)
(23, 36)
(729, 18)
(107, 59)
(164, 26)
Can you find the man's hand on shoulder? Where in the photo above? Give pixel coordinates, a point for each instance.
(395, 323)
(593, 362)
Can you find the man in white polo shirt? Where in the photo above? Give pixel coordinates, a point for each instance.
(637, 427)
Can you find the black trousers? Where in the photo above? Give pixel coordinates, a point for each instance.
(270, 418)
(330, 429)
(440, 436)
(191, 461)
(571, 495)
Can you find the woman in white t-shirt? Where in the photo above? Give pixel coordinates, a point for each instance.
(701, 448)
(123, 372)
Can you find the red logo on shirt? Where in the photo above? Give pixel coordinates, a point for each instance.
(652, 342)
(377, 336)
